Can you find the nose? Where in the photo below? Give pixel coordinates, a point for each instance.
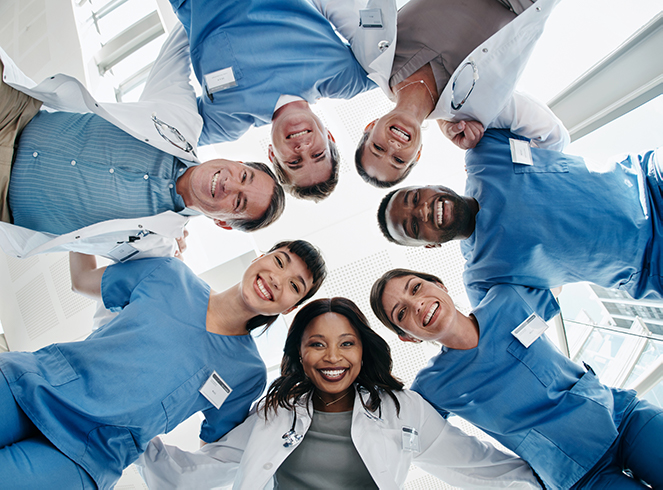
(423, 211)
(333, 354)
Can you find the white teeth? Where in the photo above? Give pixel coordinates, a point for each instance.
(214, 179)
(400, 131)
(263, 290)
(332, 373)
(440, 212)
(430, 313)
(294, 135)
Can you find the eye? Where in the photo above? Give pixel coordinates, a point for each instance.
(238, 202)
(294, 162)
(415, 198)
(378, 147)
(294, 287)
(399, 160)
(416, 288)
(315, 344)
(279, 262)
(348, 343)
(400, 315)
(318, 155)
(415, 228)
(244, 176)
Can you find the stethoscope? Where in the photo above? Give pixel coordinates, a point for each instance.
(163, 129)
(475, 76)
(291, 438)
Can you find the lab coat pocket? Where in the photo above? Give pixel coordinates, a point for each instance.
(54, 366)
(544, 161)
(186, 399)
(539, 365)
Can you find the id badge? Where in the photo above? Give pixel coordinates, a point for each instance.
(219, 80)
(530, 330)
(521, 152)
(215, 390)
(410, 439)
(123, 252)
(370, 18)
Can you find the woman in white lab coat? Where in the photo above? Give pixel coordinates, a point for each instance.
(336, 418)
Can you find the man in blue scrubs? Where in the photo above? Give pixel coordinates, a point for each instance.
(541, 224)
(265, 61)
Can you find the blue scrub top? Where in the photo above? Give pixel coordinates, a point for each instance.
(535, 401)
(101, 401)
(274, 48)
(557, 222)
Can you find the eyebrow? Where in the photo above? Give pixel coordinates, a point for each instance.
(407, 285)
(289, 260)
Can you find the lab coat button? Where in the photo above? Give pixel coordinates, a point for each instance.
(35, 154)
(112, 171)
(382, 45)
(485, 50)
(146, 176)
(268, 466)
(73, 162)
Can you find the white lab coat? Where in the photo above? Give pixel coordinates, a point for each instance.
(499, 61)
(250, 454)
(170, 96)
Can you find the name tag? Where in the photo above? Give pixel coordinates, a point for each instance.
(410, 439)
(215, 390)
(220, 80)
(370, 18)
(521, 152)
(123, 252)
(530, 330)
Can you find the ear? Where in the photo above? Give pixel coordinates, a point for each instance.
(370, 125)
(432, 245)
(409, 338)
(222, 224)
(418, 154)
(270, 153)
(331, 136)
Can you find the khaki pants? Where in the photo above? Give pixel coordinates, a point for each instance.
(16, 111)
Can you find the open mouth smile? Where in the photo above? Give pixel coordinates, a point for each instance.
(297, 134)
(333, 374)
(431, 311)
(400, 134)
(214, 179)
(264, 290)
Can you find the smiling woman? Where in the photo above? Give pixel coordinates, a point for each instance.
(55, 432)
(335, 406)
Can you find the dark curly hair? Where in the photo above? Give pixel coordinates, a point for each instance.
(375, 375)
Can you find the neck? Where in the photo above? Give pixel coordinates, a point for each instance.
(227, 313)
(472, 218)
(468, 336)
(336, 402)
(182, 187)
(417, 94)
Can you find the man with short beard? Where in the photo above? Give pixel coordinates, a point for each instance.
(541, 222)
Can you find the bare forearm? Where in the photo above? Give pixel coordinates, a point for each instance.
(85, 275)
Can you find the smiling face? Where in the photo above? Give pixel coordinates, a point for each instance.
(226, 190)
(300, 145)
(430, 215)
(393, 145)
(422, 309)
(331, 353)
(275, 283)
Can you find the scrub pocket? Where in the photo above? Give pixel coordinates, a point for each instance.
(215, 54)
(186, 399)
